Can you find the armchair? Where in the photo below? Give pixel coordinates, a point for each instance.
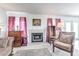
(65, 42)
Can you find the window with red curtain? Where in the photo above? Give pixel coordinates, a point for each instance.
(23, 29)
(11, 23)
(58, 25)
(49, 23)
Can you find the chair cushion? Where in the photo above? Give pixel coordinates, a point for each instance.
(66, 38)
(62, 45)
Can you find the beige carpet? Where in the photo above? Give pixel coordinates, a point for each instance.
(59, 52)
(44, 52)
(33, 52)
(37, 47)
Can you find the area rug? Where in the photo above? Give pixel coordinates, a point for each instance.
(59, 52)
(33, 52)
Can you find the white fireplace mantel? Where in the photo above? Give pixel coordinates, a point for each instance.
(37, 31)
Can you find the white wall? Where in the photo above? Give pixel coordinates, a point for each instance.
(3, 22)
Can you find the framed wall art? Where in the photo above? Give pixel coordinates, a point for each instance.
(36, 22)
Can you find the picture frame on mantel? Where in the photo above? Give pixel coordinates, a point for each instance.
(36, 22)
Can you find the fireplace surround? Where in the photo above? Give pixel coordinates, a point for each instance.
(38, 30)
(37, 37)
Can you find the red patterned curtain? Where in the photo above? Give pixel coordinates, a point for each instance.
(58, 25)
(11, 23)
(23, 29)
(58, 21)
(49, 23)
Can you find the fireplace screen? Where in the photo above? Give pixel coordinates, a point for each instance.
(37, 37)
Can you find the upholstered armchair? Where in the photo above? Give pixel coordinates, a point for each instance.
(65, 42)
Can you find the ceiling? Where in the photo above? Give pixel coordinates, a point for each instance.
(44, 8)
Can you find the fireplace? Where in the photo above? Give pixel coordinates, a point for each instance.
(37, 37)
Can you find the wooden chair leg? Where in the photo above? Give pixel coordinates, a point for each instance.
(53, 47)
(11, 52)
(72, 51)
(50, 42)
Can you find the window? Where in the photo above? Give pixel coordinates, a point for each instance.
(17, 24)
(68, 26)
(75, 29)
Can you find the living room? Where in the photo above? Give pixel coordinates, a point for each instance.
(30, 26)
